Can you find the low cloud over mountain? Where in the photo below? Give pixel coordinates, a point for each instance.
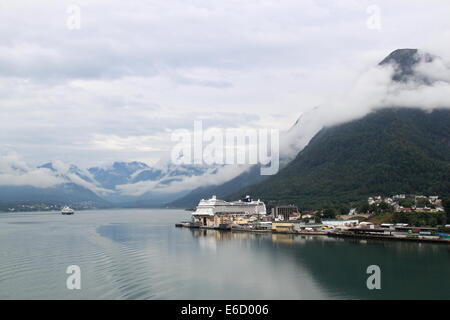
(119, 182)
(425, 84)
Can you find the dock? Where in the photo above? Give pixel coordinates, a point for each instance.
(234, 229)
(387, 237)
(335, 234)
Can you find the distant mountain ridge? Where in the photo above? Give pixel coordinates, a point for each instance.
(105, 186)
(118, 173)
(63, 194)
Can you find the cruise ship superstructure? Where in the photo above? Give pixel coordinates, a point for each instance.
(67, 211)
(214, 212)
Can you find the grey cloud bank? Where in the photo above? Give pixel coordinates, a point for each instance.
(137, 70)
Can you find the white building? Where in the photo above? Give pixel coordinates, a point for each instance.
(340, 223)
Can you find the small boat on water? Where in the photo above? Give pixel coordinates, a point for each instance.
(67, 210)
(187, 224)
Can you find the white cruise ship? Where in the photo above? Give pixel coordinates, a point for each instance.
(214, 206)
(67, 210)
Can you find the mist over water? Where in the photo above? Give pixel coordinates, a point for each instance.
(139, 254)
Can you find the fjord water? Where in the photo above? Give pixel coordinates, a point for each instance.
(139, 254)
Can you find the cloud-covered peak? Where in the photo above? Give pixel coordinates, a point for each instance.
(408, 78)
(405, 62)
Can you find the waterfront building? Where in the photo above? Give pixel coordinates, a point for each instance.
(284, 212)
(340, 223)
(366, 225)
(282, 226)
(389, 226)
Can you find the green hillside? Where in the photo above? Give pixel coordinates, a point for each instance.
(387, 152)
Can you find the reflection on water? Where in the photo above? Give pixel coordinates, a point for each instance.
(139, 254)
(409, 270)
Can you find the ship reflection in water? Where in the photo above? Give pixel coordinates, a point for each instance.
(216, 235)
(338, 266)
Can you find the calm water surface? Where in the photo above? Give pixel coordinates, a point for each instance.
(139, 254)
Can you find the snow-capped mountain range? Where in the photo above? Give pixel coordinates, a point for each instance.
(120, 183)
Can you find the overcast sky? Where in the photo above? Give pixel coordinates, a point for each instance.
(135, 70)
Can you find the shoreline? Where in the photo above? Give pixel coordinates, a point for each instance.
(321, 234)
(387, 237)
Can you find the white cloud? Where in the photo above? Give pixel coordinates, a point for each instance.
(214, 176)
(15, 172)
(437, 70)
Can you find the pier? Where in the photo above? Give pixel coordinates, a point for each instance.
(331, 233)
